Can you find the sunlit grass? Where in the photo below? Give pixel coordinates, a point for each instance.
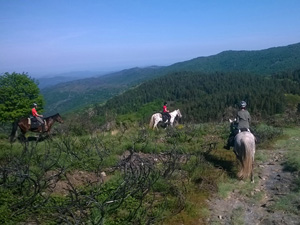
(290, 144)
(224, 189)
(289, 203)
(237, 217)
(260, 156)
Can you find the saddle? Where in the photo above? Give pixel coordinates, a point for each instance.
(244, 130)
(164, 117)
(236, 131)
(34, 123)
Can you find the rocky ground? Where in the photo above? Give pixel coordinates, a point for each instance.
(257, 206)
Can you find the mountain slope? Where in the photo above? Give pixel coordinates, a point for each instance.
(77, 94)
(266, 61)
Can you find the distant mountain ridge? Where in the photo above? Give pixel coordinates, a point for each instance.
(266, 61)
(69, 96)
(51, 80)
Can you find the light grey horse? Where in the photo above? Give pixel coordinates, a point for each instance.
(157, 117)
(244, 148)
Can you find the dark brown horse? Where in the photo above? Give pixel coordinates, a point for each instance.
(25, 126)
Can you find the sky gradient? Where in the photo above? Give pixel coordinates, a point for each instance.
(46, 37)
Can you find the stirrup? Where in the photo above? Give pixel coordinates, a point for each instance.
(226, 147)
(248, 130)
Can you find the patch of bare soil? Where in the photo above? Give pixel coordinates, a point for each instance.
(256, 207)
(75, 179)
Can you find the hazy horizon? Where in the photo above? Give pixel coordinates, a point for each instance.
(56, 37)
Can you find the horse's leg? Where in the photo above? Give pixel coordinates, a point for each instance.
(23, 132)
(155, 125)
(172, 121)
(252, 175)
(23, 137)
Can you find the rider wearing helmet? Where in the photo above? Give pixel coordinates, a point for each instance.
(166, 113)
(243, 120)
(243, 117)
(38, 116)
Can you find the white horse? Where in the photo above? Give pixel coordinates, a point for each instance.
(244, 148)
(157, 117)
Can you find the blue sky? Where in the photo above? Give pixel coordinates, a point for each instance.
(55, 36)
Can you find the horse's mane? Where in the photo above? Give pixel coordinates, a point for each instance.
(57, 114)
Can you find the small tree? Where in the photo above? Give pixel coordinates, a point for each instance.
(17, 93)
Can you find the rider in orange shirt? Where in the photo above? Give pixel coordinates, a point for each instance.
(166, 112)
(38, 116)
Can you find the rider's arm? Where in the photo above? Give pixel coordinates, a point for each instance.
(249, 118)
(34, 113)
(237, 118)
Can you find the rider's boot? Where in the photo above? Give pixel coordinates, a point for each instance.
(227, 147)
(230, 142)
(43, 128)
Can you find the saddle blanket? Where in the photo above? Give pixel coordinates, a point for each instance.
(34, 123)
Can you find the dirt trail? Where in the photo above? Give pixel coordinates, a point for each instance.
(255, 207)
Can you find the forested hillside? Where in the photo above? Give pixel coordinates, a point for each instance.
(206, 97)
(77, 94)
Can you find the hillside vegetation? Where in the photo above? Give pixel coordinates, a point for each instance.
(103, 166)
(207, 97)
(73, 95)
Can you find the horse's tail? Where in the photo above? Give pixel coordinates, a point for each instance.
(247, 157)
(151, 121)
(14, 131)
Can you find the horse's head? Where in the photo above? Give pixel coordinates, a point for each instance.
(58, 118)
(178, 113)
(232, 121)
(233, 124)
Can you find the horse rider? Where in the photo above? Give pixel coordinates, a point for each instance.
(166, 112)
(242, 122)
(38, 117)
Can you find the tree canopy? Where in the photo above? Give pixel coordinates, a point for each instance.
(207, 97)
(17, 93)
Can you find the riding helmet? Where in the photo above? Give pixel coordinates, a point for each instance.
(243, 104)
(34, 104)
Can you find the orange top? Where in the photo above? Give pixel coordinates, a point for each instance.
(34, 112)
(165, 108)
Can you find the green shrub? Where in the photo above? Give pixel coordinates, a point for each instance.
(267, 133)
(293, 161)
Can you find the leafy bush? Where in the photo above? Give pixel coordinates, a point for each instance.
(266, 133)
(293, 161)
